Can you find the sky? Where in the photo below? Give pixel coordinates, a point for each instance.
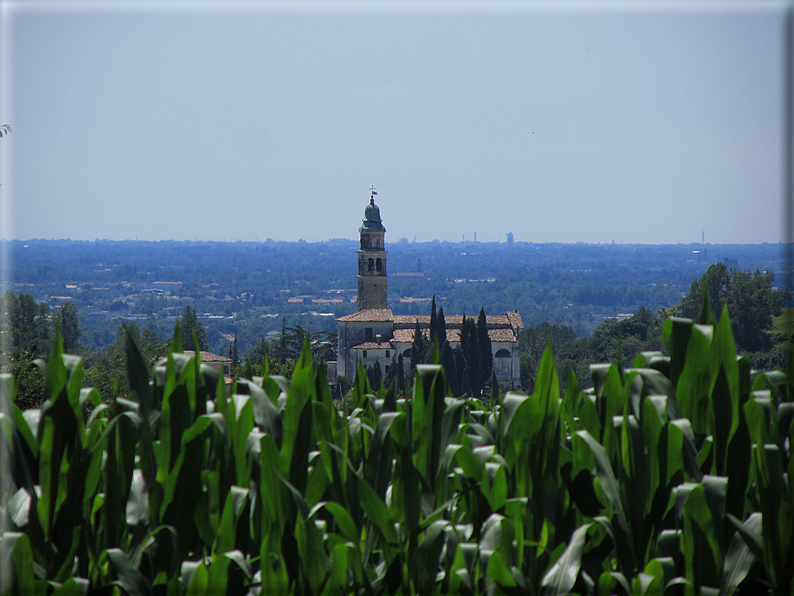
(634, 122)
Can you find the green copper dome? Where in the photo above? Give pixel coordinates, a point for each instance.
(371, 221)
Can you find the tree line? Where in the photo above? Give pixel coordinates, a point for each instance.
(751, 298)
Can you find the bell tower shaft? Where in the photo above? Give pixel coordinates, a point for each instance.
(371, 291)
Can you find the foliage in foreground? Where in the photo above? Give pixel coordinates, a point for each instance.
(674, 476)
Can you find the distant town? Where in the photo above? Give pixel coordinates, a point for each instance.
(250, 289)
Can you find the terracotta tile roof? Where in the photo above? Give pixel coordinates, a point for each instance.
(450, 320)
(410, 320)
(453, 335)
(404, 335)
(501, 335)
(515, 319)
(208, 357)
(373, 345)
(497, 321)
(369, 315)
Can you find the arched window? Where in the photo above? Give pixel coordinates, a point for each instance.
(371, 264)
(379, 265)
(503, 353)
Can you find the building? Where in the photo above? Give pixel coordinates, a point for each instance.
(374, 333)
(221, 364)
(371, 292)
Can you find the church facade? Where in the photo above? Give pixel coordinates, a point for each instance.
(375, 334)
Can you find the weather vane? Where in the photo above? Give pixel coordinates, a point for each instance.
(372, 190)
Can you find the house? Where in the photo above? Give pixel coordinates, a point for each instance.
(221, 364)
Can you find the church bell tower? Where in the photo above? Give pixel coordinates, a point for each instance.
(371, 291)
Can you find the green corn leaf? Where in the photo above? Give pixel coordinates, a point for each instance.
(342, 518)
(603, 469)
(197, 578)
(16, 557)
(694, 384)
(313, 562)
(128, 577)
(297, 425)
(562, 576)
(184, 483)
(139, 385)
(379, 461)
(499, 572)
(681, 452)
(744, 548)
(343, 558)
(677, 332)
(702, 552)
(428, 411)
(236, 502)
(608, 580)
(377, 512)
(425, 559)
(272, 490)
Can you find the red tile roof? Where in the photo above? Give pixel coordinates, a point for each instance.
(375, 315)
(515, 319)
(453, 335)
(372, 345)
(501, 335)
(208, 356)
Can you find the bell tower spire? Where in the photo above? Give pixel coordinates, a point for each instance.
(371, 291)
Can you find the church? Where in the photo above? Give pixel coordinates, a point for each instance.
(374, 333)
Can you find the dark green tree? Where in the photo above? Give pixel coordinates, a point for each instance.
(188, 325)
(484, 346)
(234, 355)
(532, 340)
(421, 347)
(69, 324)
(752, 303)
(375, 375)
(400, 374)
(433, 322)
(470, 346)
(441, 328)
(107, 370)
(27, 323)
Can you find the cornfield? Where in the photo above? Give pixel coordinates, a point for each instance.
(672, 476)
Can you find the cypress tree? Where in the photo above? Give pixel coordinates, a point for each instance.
(400, 374)
(484, 346)
(420, 347)
(190, 325)
(441, 328)
(434, 322)
(447, 360)
(469, 343)
(375, 376)
(234, 355)
(460, 379)
(494, 389)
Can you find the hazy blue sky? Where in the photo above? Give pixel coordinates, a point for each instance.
(584, 122)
